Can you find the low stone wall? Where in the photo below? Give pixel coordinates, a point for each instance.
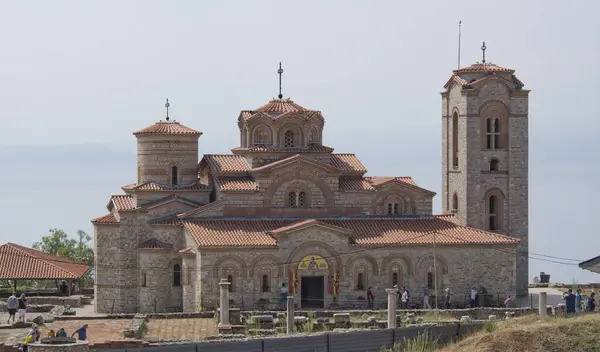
(137, 328)
(73, 301)
(32, 308)
(74, 347)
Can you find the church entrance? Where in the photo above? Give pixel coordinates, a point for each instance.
(312, 292)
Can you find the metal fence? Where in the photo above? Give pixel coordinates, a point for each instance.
(359, 341)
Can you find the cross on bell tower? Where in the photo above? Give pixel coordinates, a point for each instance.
(280, 72)
(483, 48)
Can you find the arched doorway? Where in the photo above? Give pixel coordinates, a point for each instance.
(313, 271)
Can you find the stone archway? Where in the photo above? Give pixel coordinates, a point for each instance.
(298, 174)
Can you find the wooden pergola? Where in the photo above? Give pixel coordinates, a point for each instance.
(22, 263)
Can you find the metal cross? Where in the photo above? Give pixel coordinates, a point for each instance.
(280, 72)
(483, 47)
(167, 106)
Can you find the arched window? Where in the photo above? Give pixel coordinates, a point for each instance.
(174, 175)
(288, 139)
(494, 164)
(394, 279)
(455, 202)
(313, 136)
(265, 283)
(390, 208)
(360, 282)
(455, 140)
(176, 275)
(396, 209)
(291, 200)
(230, 280)
(301, 199)
(393, 208)
(497, 133)
(492, 133)
(430, 280)
(488, 133)
(262, 135)
(493, 213)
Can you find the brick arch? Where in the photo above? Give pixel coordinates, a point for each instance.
(261, 127)
(491, 109)
(303, 175)
(407, 202)
(265, 258)
(241, 265)
(304, 249)
(428, 258)
(298, 134)
(491, 104)
(493, 79)
(397, 258)
(500, 214)
(350, 263)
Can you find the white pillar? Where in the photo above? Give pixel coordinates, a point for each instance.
(290, 315)
(392, 305)
(224, 302)
(543, 304)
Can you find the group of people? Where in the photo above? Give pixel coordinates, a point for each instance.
(34, 334)
(404, 297)
(14, 305)
(574, 302)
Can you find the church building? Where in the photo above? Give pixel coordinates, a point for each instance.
(284, 208)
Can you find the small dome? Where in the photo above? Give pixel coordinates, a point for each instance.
(281, 106)
(168, 127)
(485, 67)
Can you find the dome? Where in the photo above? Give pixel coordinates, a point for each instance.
(281, 106)
(483, 67)
(167, 127)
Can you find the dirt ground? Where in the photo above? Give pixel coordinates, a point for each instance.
(189, 329)
(98, 330)
(532, 334)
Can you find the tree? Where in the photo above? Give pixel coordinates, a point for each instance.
(78, 250)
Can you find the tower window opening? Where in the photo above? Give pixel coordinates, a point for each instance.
(288, 139)
(494, 165)
(301, 199)
(455, 202)
(174, 175)
(176, 275)
(291, 201)
(493, 213)
(492, 133)
(394, 279)
(360, 282)
(455, 140)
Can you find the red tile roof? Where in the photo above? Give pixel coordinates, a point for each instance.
(355, 185)
(187, 251)
(122, 202)
(232, 184)
(167, 127)
(154, 243)
(292, 158)
(487, 67)
(281, 106)
(18, 262)
(226, 163)
(365, 231)
(379, 180)
(105, 219)
(348, 163)
(152, 186)
(312, 148)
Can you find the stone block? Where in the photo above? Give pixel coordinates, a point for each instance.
(371, 320)
(466, 319)
(492, 317)
(341, 318)
(263, 318)
(300, 320)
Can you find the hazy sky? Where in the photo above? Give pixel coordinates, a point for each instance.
(83, 72)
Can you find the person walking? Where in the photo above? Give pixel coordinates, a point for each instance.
(591, 303)
(473, 297)
(569, 298)
(370, 297)
(405, 297)
(12, 304)
(578, 301)
(22, 307)
(426, 304)
(284, 294)
(447, 298)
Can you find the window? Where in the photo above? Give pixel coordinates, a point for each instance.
(288, 139)
(455, 202)
(265, 283)
(390, 208)
(494, 165)
(493, 213)
(492, 133)
(176, 275)
(174, 175)
(396, 208)
(230, 279)
(430, 279)
(394, 279)
(301, 199)
(291, 201)
(262, 136)
(455, 140)
(360, 282)
(143, 279)
(393, 208)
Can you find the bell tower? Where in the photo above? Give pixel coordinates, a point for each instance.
(485, 154)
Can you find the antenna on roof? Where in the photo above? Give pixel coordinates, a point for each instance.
(459, 33)
(280, 72)
(483, 47)
(167, 106)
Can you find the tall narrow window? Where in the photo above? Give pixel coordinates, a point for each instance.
(493, 213)
(291, 200)
(494, 165)
(265, 283)
(497, 133)
(288, 139)
(488, 133)
(176, 275)
(143, 280)
(301, 199)
(230, 280)
(455, 140)
(394, 279)
(455, 202)
(390, 208)
(430, 279)
(360, 281)
(396, 209)
(174, 175)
